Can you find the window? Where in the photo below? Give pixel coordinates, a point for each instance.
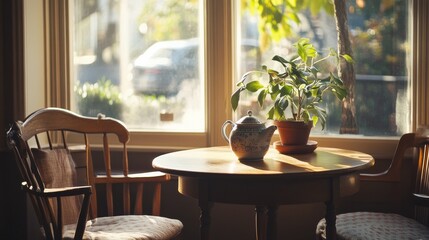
(380, 46)
(139, 61)
(148, 72)
(219, 62)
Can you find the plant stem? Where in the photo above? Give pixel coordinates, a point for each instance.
(298, 116)
(322, 59)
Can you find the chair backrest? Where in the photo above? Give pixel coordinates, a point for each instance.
(49, 178)
(419, 141)
(44, 135)
(422, 176)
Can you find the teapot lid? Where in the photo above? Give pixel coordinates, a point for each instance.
(249, 119)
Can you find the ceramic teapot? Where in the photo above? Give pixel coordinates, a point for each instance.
(249, 139)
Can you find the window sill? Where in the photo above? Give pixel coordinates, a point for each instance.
(164, 142)
(378, 147)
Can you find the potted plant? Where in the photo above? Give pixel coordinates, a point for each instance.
(299, 87)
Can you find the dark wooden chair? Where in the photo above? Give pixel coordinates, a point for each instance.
(44, 157)
(368, 225)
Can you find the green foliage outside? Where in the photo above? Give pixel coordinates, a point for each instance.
(379, 44)
(277, 17)
(100, 97)
(378, 37)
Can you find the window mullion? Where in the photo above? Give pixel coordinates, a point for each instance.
(419, 72)
(57, 40)
(219, 66)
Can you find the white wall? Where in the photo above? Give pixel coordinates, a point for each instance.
(34, 55)
(34, 74)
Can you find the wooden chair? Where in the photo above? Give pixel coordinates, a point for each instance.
(44, 158)
(368, 225)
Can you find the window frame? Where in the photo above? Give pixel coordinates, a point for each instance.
(219, 20)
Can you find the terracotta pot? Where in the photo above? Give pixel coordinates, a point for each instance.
(294, 132)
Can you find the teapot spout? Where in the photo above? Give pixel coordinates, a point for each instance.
(269, 131)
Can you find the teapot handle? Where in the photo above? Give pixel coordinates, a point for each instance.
(225, 124)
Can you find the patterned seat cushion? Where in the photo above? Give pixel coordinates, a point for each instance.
(374, 226)
(135, 227)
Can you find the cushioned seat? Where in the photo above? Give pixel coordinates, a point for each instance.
(372, 226)
(137, 227)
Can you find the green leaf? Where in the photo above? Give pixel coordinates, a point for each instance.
(244, 77)
(321, 116)
(339, 92)
(280, 59)
(305, 115)
(283, 102)
(311, 51)
(315, 92)
(315, 7)
(286, 90)
(254, 86)
(314, 71)
(278, 17)
(305, 73)
(302, 53)
(272, 73)
(305, 49)
(278, 109)
(326, 80)
(261, 97)
(348, 58)
(301, 80)
(278, 112)
(315, 120)
(274, 91)
(275, 88)
(303, 41)
(294, 17)
(336, 80)
(318, 114)
(283, 75)
(235, 98)
(270, 114)
(240, 84)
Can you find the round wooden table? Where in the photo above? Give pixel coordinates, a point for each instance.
(215, 174)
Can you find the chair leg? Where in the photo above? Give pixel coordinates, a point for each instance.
(138, 208)
(156, 206)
